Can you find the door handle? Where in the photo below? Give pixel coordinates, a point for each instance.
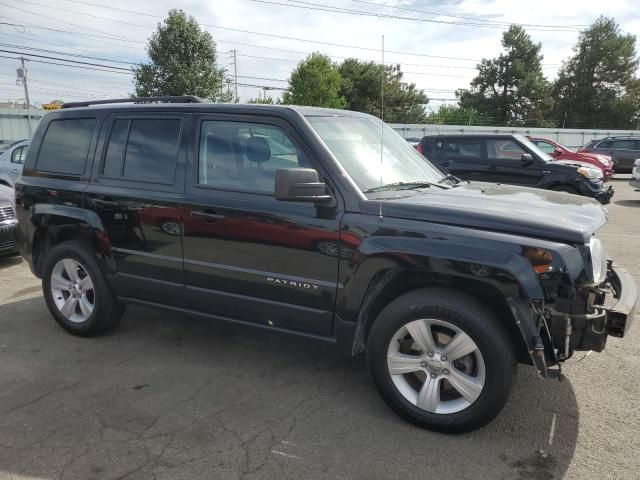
(208, 215)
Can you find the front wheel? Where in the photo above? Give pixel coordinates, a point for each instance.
(441, 360)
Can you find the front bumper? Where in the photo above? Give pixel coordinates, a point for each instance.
(597, 190)
(7, 238)
(605, 195)
(635, 183)
(621, 315)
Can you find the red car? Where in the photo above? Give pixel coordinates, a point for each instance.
(560, 152)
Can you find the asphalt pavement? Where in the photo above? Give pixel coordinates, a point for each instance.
(168, 396)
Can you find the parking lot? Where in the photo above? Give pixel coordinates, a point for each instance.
(168, 397)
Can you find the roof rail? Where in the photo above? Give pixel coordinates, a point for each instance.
(167, 99)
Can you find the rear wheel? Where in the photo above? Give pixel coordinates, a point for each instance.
(76, 292)
(441, 360)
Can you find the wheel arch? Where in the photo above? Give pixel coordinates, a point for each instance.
(55, 224)
(386, 286)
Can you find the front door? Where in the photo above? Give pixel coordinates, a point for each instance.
(248, 256)
(506, 164)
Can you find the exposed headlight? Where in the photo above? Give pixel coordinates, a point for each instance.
(598, 260)
(590, 172)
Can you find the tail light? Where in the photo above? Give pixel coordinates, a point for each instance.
(419, 148)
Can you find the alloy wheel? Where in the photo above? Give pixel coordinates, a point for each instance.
(436, 366)
(72, 290)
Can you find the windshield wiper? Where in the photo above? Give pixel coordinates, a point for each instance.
(406, 186)
(452, 179)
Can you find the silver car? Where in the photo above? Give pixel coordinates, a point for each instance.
(12, 160)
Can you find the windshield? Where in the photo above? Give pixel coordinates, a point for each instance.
(355, 142)
(536, 150)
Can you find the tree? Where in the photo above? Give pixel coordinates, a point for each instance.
(457, 115)
(182, 61)
(511, 89)
(361, 84)
(315, 82)
(262, 100)
(597, 85)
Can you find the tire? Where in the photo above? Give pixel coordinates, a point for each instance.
(422, 381)
(85, 307)
(566, 189)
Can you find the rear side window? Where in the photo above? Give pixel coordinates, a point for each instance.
(624, 145)
(143, 149)
(65, 146)
(460, 149)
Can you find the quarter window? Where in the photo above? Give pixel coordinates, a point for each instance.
(65, 146)
(143, 149)
(244, 156)
(19, 155)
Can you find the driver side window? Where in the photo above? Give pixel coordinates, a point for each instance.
(241, 156)
(546, 147)
(504, 150)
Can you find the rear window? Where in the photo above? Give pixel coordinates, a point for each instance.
(65, 146)
(143, 149)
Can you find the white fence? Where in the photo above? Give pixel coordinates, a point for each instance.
(14, 123)
(572, 138)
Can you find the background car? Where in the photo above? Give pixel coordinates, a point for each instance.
(414, 142)
(560, 152)
(512, 159)
(8, 222)
(623, 151)
(11, 162)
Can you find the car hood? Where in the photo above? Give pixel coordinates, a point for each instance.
(505, 208)
(575, 163)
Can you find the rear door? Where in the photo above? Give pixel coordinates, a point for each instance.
(462, 157)
(625, 153)
(137, 190)
(506, 166)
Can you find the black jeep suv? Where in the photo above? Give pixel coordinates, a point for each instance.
(512, 159)
(291, 219)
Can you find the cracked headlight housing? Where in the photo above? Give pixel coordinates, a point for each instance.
(598, 260)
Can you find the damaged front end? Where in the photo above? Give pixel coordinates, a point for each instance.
(576, 314)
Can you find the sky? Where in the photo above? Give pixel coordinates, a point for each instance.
(437, 42)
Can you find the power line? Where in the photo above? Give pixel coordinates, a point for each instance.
(66, 60)
(251, 32)
(475, 19)
(75, 55)
(349, 11)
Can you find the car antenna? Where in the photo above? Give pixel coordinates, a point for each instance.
(382, 79)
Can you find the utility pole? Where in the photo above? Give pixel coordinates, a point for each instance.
(235, 74)
(22, 77)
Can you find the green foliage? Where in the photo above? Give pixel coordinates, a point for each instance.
(262, 100)
(182, 61)
(510, 89)
(597, 85)
(361, 87)
(457, 115)
(315, 82)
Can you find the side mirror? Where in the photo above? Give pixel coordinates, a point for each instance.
(526, 159)
(557, 151)
(300, 185)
